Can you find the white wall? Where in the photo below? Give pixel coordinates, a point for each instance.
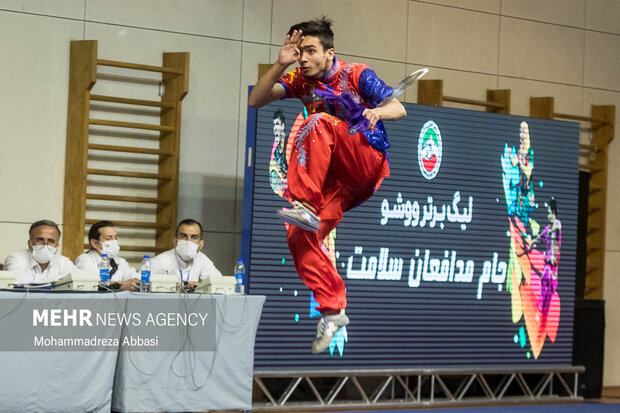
(569, 49)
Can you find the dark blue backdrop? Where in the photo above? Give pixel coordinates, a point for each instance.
(445, 315)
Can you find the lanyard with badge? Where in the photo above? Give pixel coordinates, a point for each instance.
(188, 274)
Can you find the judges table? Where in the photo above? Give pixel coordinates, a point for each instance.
(191, 379)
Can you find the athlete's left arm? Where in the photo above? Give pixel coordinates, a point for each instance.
(392, 111)
(374, 90)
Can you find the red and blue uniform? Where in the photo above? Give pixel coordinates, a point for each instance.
(330, 169)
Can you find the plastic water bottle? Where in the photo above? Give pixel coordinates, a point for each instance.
(239, 277)
(104, 271)
(145, 275)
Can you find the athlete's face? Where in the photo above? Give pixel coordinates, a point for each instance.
(313, 59)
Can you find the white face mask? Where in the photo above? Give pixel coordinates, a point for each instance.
(187, 250)
(111, 248)
(43, 253)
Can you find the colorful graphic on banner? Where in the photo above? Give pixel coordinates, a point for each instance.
(534, 255)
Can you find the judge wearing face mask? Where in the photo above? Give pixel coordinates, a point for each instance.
(186, 261)
(103, 239)
(40, 263)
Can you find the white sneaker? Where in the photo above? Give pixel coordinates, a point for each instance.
(326, 329)
(300, 216)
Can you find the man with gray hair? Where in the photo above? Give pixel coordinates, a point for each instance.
(40, 263)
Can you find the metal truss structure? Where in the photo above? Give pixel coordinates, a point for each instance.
(318, 390)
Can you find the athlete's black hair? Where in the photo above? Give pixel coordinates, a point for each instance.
(320, 27)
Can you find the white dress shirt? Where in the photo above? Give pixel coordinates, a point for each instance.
(28, 270)
(169, 262)
(89, 262)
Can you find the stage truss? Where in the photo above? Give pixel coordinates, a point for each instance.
(319, 390)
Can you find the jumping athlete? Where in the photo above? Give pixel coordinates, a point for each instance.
(330, 170)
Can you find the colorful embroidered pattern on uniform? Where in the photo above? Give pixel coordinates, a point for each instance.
(343, 80)
(358, 80)
(301, 137)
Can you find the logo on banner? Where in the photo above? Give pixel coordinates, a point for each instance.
(429, 150)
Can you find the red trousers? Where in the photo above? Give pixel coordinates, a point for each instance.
(334, 172)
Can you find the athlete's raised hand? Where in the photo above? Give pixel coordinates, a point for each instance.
(267, 89)
(289, 52)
